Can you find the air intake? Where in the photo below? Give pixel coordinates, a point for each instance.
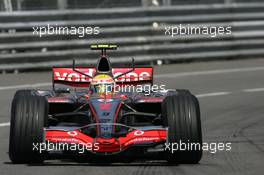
(103, 65)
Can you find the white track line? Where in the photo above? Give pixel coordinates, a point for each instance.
(212, 94)
(198, 96)
(253, 90)
(219, 71)
(4, 124)
(209, 72)
(25, 86)
(172, 75)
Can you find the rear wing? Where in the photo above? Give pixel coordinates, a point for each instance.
(103, 46)
(67, 76)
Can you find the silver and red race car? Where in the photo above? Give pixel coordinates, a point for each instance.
(105, 113)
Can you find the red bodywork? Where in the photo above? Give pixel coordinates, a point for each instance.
(140, 75)
(68, 76)
(107, 145)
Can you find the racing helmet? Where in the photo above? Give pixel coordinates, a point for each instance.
(103, 84)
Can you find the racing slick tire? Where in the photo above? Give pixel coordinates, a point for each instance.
(29, 114)
(181, 113)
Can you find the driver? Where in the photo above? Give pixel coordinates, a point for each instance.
(103, 84)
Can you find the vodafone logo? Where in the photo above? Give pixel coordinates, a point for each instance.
(66, 74)
(132, 76)
(72, 77)
(138, 133)
(72, 133)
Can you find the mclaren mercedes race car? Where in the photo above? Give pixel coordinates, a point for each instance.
(84, 117)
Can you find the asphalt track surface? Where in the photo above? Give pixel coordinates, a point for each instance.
(231, 96)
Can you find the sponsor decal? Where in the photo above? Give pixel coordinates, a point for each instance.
(105, 106)
(142, 140)
(138, 133)
(58, 100)
(67, 74)
(72, 133)
(105, 100)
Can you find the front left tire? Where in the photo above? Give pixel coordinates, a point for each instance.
(29, 113)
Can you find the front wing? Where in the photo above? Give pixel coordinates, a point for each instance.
(110, 145)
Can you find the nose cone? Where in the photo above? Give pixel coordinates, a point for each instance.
(107, 145)
(106, 112)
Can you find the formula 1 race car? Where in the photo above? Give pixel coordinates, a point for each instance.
(85, 118)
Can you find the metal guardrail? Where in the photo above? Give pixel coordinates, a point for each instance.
(140, 32)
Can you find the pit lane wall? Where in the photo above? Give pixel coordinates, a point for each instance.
(143, 30)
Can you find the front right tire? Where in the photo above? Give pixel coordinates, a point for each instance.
(181, 113)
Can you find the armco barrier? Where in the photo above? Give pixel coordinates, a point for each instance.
(139, 32)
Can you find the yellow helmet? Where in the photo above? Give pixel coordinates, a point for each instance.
(103, 84)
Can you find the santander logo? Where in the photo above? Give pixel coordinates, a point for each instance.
(67, 74)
